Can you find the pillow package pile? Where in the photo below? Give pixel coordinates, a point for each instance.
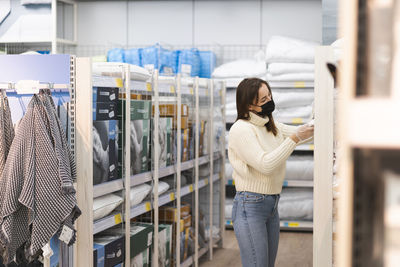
(290, 60)
(188, 62)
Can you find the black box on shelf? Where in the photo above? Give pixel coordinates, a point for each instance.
(103, 111)
(108, 250)
(105, 151)
(106, 95)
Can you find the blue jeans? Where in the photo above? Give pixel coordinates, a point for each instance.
(256, 223)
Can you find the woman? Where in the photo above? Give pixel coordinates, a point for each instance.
(258, 149)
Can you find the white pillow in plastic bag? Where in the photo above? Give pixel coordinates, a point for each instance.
(228, 170)
(138, 193)
(292, 77)
(104, 205)
(162, 187)
(114, 69)
(289, 99)
(295, 112)
(204, 170)
(284, 68)
(300, 168)
(296, 204)
(35, 2)
(241, 68)
(285, 49)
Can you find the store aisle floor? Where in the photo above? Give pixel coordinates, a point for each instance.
(295, 249)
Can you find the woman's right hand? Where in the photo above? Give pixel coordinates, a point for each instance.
(304, 132)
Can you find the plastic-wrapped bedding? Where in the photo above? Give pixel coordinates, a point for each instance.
(228, 208)
(189, 62)
(162, 187)
(300, 168)
(168, 62)
(289, 99)
(296, 204)
(104, 205)
(132, 56)
(295, 112)
(291, 77)
(138, 193)
(230, 96)
(241, 68)
(285, 49)
(114, 69)
(285, 68)
(116, 55)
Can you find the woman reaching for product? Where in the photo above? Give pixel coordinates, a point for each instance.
(258, 149)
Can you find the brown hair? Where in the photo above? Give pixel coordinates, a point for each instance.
(246, 93)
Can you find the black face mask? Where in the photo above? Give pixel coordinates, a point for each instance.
(267, 108)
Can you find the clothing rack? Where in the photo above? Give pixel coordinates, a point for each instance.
(12, 86)
(57, 75)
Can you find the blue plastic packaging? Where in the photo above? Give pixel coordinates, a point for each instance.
(133, 56)
(168, 62)
(208, 61)
(189, 62)
(116, 55)
(150, 57)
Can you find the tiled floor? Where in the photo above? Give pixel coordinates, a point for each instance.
(295, 250)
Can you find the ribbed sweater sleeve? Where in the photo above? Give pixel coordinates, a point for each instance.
(244, 143)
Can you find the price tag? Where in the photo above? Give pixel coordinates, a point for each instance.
(118, 218)
(312, 147)
(206, 181)
(148, 87)
(172, 89)
(293, 224)
(297, 120)
(66, 234)
(119, 82)
(191, 188)
(299, 84)
(186, 69)
(172, 196)
(147, 206)
(191, 91)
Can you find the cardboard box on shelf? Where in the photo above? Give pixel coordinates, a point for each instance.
(140, 146)
(171, 110)
(103, 111)
(165, 141)
(184, 123)
(105, 151)
(106, 94)
(108, 250)
(170, 213)
(187, 221)
(136, 96)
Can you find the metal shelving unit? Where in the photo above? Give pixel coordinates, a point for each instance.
(176, 87)
(308, 147)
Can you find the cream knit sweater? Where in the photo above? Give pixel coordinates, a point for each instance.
(257, 156)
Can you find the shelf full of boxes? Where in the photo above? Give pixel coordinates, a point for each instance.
(168, 145)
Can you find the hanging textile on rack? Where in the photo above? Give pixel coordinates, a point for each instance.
(37, 196)
(6, 130)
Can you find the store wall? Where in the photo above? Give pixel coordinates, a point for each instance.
(202, 22)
